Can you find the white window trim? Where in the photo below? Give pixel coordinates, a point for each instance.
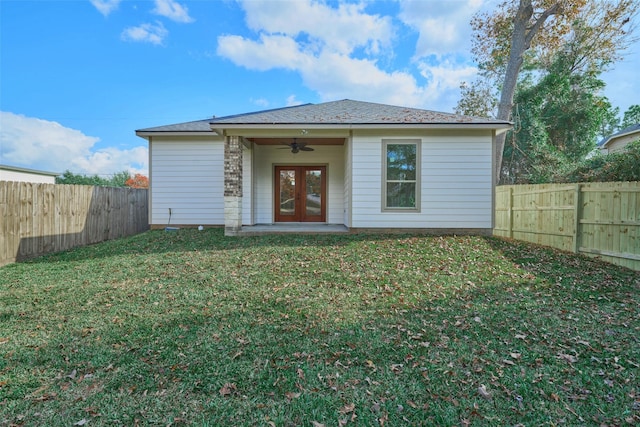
(418, 144)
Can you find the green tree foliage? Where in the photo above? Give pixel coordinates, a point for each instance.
(557, 122)
(117, 180)
(619, 166)
(631, 117)
(526, 35)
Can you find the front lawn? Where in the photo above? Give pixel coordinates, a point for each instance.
(192, 328)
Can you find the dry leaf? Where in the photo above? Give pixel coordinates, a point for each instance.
(227, 389)
(348, 408)
(291, 395)
(317, 424)
(569, 358)
(81, 422)
(482, 391)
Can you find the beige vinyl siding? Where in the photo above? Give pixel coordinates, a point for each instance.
(455, 175)
(619, 144)
(268, 156)
(187, 177)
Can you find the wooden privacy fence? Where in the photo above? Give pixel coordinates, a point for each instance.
(43, 218)
(598, 219)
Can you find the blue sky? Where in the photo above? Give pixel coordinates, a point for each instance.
(78, 77)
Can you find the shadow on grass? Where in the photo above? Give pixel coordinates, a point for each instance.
(213, 239)
(427, 355)
(557, 266)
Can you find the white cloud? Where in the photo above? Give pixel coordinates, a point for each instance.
(105, 7)
(271, 51)
(173, 10)
(338, 29)
(319, 42)
(443, 27)
(260, 102)
(292, 101)
(45, 145)
(149, 33)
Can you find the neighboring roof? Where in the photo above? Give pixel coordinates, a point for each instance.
(624, 132)
(32, 171)
(344, 112)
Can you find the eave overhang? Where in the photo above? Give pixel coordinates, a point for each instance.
(145, 134)
(251, 129)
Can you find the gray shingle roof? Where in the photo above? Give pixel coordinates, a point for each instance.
(349, 112)
(195, 126)
(629, 129)
(344, 112)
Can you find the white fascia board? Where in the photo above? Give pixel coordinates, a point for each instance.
(172, 133)
(342, 130)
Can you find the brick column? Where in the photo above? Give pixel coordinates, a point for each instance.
(232, 185)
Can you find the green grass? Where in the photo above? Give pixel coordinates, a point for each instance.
(192, 328)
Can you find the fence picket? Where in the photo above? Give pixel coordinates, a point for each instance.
(597, 219)
(44, 218)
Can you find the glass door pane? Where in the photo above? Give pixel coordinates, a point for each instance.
(313, 199)
(287, 198)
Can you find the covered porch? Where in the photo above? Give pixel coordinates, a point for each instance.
(289, 182)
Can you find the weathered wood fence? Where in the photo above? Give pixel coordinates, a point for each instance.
(42, 218)
(597, 219)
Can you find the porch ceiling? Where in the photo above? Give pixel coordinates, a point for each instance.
(286, 141)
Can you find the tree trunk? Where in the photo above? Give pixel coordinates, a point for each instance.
(518, 47)
(523, 33)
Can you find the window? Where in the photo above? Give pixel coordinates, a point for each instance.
(401, 175)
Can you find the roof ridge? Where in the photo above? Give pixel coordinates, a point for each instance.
(260, 112)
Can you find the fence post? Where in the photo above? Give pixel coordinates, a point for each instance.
(577, 216)
(510, 212)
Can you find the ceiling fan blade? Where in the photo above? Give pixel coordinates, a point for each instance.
(303, 148)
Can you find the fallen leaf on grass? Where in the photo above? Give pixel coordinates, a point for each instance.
(228, 388)
(317, 424)
(569, 358)
(81, 422)
(482, 391)
(291, 395)
(348, 408)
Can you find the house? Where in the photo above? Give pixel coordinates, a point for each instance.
(357, 164)
(619, 140)
(12, 173)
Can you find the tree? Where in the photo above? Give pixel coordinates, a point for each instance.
(558, 118)
(477, 100)
(138, 181)
(620, 166)
(631, 117)
(117, 180)
(530, 33)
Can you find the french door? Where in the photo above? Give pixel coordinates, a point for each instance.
(300, 193)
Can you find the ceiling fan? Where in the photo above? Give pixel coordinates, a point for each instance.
(297, 146)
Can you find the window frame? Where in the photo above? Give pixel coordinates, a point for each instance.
(405, 141)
